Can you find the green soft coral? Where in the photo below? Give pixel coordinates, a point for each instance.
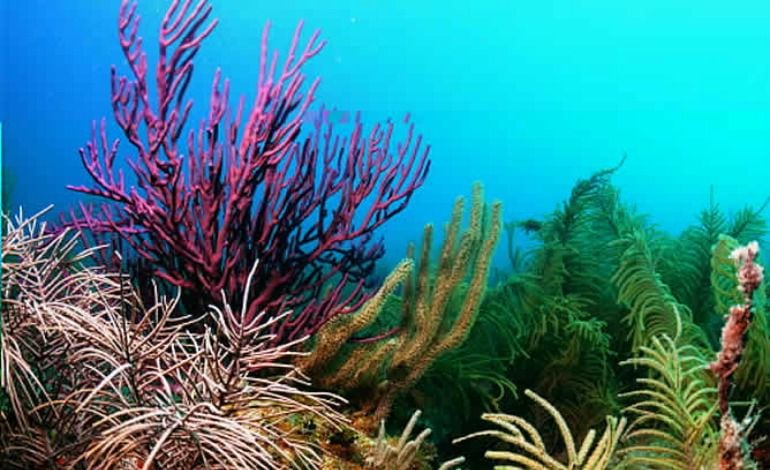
(674, 406)
(652, 309)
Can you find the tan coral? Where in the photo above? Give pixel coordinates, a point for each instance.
(429, 324)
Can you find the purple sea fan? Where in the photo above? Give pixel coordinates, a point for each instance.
(248, 183)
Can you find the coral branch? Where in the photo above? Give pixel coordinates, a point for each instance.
(733, 342)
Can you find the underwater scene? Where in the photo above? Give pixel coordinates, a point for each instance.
(384, 234)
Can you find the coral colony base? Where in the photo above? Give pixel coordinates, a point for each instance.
(213, 311)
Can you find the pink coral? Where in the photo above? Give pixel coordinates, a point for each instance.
(749, 277)
(248, 183)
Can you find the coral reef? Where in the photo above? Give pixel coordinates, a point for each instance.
(604, 289)
(95, 379)
(95, 376)
(218, 310)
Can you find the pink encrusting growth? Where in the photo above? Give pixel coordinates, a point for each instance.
(749, 275)
(306, 206)
(738, 320)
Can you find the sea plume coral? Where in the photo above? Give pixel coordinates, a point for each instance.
(97, 379)
(438, 308)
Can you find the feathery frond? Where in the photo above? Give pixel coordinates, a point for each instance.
(531, 452)
(675, 408)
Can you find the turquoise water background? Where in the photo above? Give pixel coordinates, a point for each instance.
(526, 96)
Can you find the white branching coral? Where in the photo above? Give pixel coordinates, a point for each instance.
(95, 378)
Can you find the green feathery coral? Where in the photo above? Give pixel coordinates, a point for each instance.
(674, 407)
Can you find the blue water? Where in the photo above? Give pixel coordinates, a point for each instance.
(524, 96)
